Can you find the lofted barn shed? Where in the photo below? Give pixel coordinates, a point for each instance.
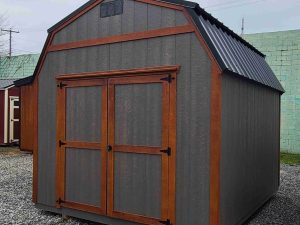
(153, 112)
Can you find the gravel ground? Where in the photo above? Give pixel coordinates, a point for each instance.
(16, 206)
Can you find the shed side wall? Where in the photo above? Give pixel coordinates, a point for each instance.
(193, 111)
(27, 117)
(250, 147)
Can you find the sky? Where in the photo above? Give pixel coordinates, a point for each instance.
(32, 18)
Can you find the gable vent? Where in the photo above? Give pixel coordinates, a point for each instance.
(111, 8)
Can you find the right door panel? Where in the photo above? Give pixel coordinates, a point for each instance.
(138, 172)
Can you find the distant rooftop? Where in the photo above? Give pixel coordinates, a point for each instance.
(4, 83)
(17, 67)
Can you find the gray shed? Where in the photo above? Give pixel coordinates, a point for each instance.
(153, 112)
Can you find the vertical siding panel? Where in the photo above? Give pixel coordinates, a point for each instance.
(199, 136)
(140, 54)
(127, 49)
(168, 50)
(128, 17)
(115, 25)
(115, 56)
(154, 52)
(81, 28)
(92, 17)
(168, 17)
(180, 18)
(103, 58)
(104, 27)
(154, 17)
(46, 139)
(140, 16)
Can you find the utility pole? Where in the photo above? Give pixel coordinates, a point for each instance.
(242, 33)
(10, 31)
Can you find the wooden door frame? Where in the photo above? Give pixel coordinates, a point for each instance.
(61, 149)
(168, 141)
(169, 70)
(12, 119)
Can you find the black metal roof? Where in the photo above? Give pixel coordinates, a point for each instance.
(232, 52)
(23, 81)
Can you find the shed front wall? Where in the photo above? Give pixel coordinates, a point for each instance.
(250, 147)
(136, 17)
(193, 108)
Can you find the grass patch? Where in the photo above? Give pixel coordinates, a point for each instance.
(291, 159)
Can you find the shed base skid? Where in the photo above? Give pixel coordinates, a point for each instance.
(85, 216)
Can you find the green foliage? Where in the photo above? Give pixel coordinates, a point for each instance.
(291, 159)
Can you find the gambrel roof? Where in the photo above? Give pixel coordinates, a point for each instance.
(233, 54)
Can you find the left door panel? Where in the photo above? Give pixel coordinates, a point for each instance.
(81, 144)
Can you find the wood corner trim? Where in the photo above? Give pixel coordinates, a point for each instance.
(215, 146)
(116, 73)
(123, 38)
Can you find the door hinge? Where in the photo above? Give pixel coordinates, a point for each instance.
(61, 85)
(169, 78)
(167, 151)
(60, 143)
(166, 222)
(109, 148)
(59, 201)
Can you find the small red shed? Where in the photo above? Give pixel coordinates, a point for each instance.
(9, 112)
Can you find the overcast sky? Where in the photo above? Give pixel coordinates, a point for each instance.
(33, 17)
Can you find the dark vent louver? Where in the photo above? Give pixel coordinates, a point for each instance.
(112, 8)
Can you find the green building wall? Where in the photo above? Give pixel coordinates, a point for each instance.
(282, 50)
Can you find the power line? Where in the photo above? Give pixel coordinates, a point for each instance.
(10, 31)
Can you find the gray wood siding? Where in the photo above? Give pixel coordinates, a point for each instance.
(83, 114)
(136, 17)
(250, 146)
(193, 111)
(137, 184)
(138, 114)
(83, 176)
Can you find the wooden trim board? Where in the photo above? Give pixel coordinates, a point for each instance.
(123, 38)
(215, 146)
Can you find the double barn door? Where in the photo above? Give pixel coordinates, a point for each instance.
(115, 147)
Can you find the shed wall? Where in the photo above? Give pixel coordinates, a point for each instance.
(250, 147)
(193, 111)
(136, 17)
(27, 117)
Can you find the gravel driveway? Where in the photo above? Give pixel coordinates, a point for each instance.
(16, 206)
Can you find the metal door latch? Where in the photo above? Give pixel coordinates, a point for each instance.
(109, 148)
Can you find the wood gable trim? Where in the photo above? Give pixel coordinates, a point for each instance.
(123, 38)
